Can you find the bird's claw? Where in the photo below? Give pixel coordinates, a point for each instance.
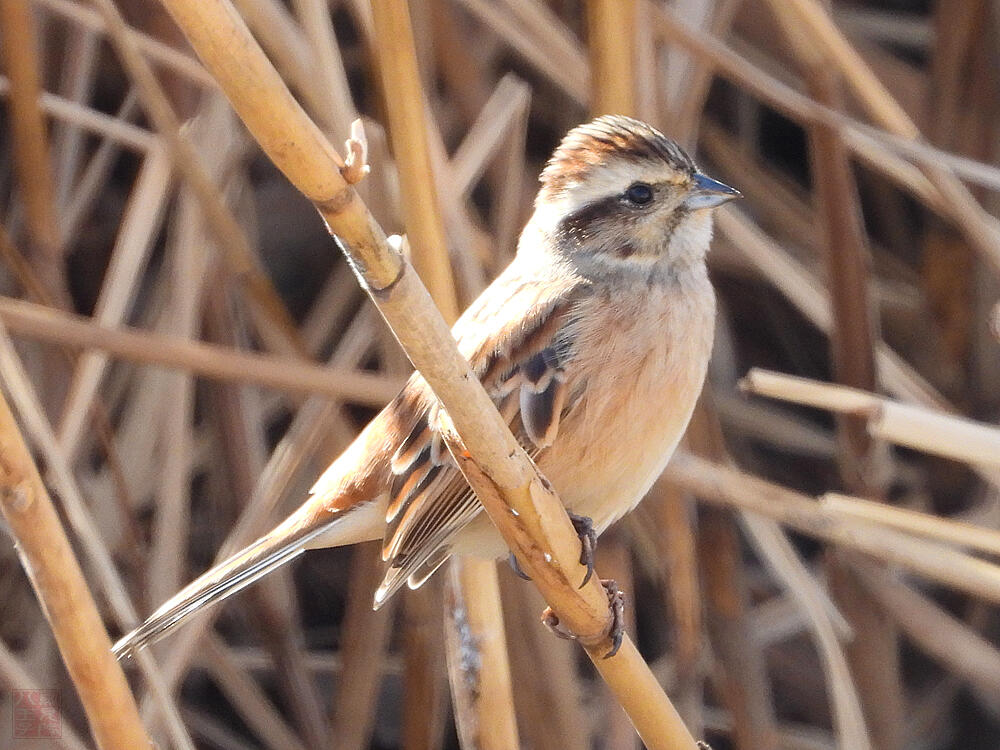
(588, 543)
(616, 600)
(516, 567)
(551, 621)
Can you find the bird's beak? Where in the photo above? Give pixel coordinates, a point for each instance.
(709, 193)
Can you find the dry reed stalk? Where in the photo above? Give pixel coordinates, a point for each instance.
(884, 151)
(613, 557)
(687, 77)
(19, 266)
(808, 295)
(672, 520)
(246, 697)
(487, 135)
(958, 533)
(912, 426)
(724, 486)
(611, 33)
(424, 678)
(275, 28)
(556, 57)
(483, 702)
(481, 688)
(551, 714)
(826, 623)
(99, 123)
(408, 130)
(81, 519)
(208, 360)
(863, 462)
(787, 432)
(144, 211)
(739, 671)
(364, 638)
(939, 634)
(328, 82)
(243, 428)
(210, 729)
(59, 584)
(509, 214)
(338, 298)
(31, 146)
(76, 84)
(165, 56)
(273, 321)
(980, 229)
(15, 675)
(318, 420)
(629, 677)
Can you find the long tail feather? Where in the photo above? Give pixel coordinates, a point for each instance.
(218, 583)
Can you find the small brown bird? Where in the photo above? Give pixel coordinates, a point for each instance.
(593, 344)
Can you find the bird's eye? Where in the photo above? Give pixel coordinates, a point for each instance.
(639, 194)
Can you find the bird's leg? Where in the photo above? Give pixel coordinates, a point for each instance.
(588, 542)
(516, 567)
(616, 599)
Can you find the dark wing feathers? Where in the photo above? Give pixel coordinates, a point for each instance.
(523, 367)
(542, 395)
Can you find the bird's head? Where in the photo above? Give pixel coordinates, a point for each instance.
(617, 192)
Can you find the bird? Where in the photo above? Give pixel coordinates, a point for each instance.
(593, 345)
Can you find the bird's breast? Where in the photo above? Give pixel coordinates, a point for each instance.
(640, 358)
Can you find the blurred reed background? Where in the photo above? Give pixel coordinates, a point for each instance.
(185, 350)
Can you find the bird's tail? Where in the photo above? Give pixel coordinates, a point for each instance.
(223, 580)
(344, 507)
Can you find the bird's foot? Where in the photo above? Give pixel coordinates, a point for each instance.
(588, 543)
(516, 567)
(616, 600)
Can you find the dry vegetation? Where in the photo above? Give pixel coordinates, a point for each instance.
(184, 348)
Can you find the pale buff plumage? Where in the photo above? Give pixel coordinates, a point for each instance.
(593, 343)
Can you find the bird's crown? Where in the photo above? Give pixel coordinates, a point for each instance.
(604, 142)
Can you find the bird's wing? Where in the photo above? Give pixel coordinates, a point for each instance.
(518, 337)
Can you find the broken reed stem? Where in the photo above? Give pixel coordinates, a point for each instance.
(550, 551)
(949, 531)
(721, 485)
(207, 360)
(68, 605)
(912, 426)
